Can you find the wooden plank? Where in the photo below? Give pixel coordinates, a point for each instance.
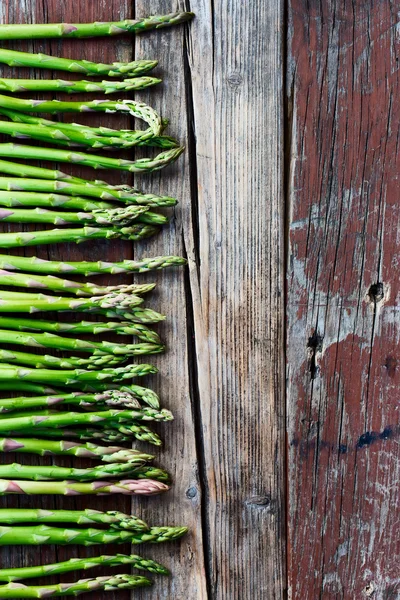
(343, 289)
(237, 286)
(182, 505)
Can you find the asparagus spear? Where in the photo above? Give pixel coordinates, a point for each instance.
(47, 361)
(107, 454)
(75, 134)
(109, 398)
(54, 236)
(38, 265)
(89, 434)
(67, 419)
(84, 136)
(115, 433)
(114, 300)
(113, 519)
(84, 30)
(93, 327)
(20, 199)
(42, 534)
(37, 179)
(72, 377)
(56, 284)
(45, 473)
(77, 564)
(132, 107)
(12, 58)
(114, 217)
(72, 87)
(50, 340)
(137, 391)
(18, 170)
(39, 199)
(45, 200)
(72, 186)
(117, 582)
(141, 165)
(130, 487)
(107, 217)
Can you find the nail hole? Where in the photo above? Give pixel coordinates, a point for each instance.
(314, 345)
(191, 493)
(376, 292)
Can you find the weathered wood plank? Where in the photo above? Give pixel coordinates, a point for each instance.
(237, 285)
(182, 505)
(343, 334)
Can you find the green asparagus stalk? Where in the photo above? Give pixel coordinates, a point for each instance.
(73, 87)
(84, 137)
(115, 583)
(78, 189)
(20, 199)
(111, 436)
(55, 284)
(39, 199)
(39, 179)
(114, 433)
(42, 534)
(75, 376)
(55, 236)
(78, 564)
(43, 200)
(128, 70)
(26, 126)
(122, 425)
(50, 340)
(130, 487)
(84, 30)
(109, 398)
(53, 473)
(132, 107)
(141, 165)
(38, 265)
(142, 332)
(18, 170)
(113, 519)
(114, 217)
(109, 417)
(113, 301)
(107, 454)
(47, 361)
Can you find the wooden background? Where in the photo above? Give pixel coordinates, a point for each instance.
(287, 476)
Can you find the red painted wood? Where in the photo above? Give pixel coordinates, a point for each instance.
(343, 400)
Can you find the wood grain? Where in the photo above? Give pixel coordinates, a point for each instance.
(237, 286)
(343, 294)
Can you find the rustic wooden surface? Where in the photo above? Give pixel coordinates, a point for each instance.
(305, 182)
(343, 333)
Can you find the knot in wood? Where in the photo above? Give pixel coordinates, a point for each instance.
(234, 79)
(262, 502)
